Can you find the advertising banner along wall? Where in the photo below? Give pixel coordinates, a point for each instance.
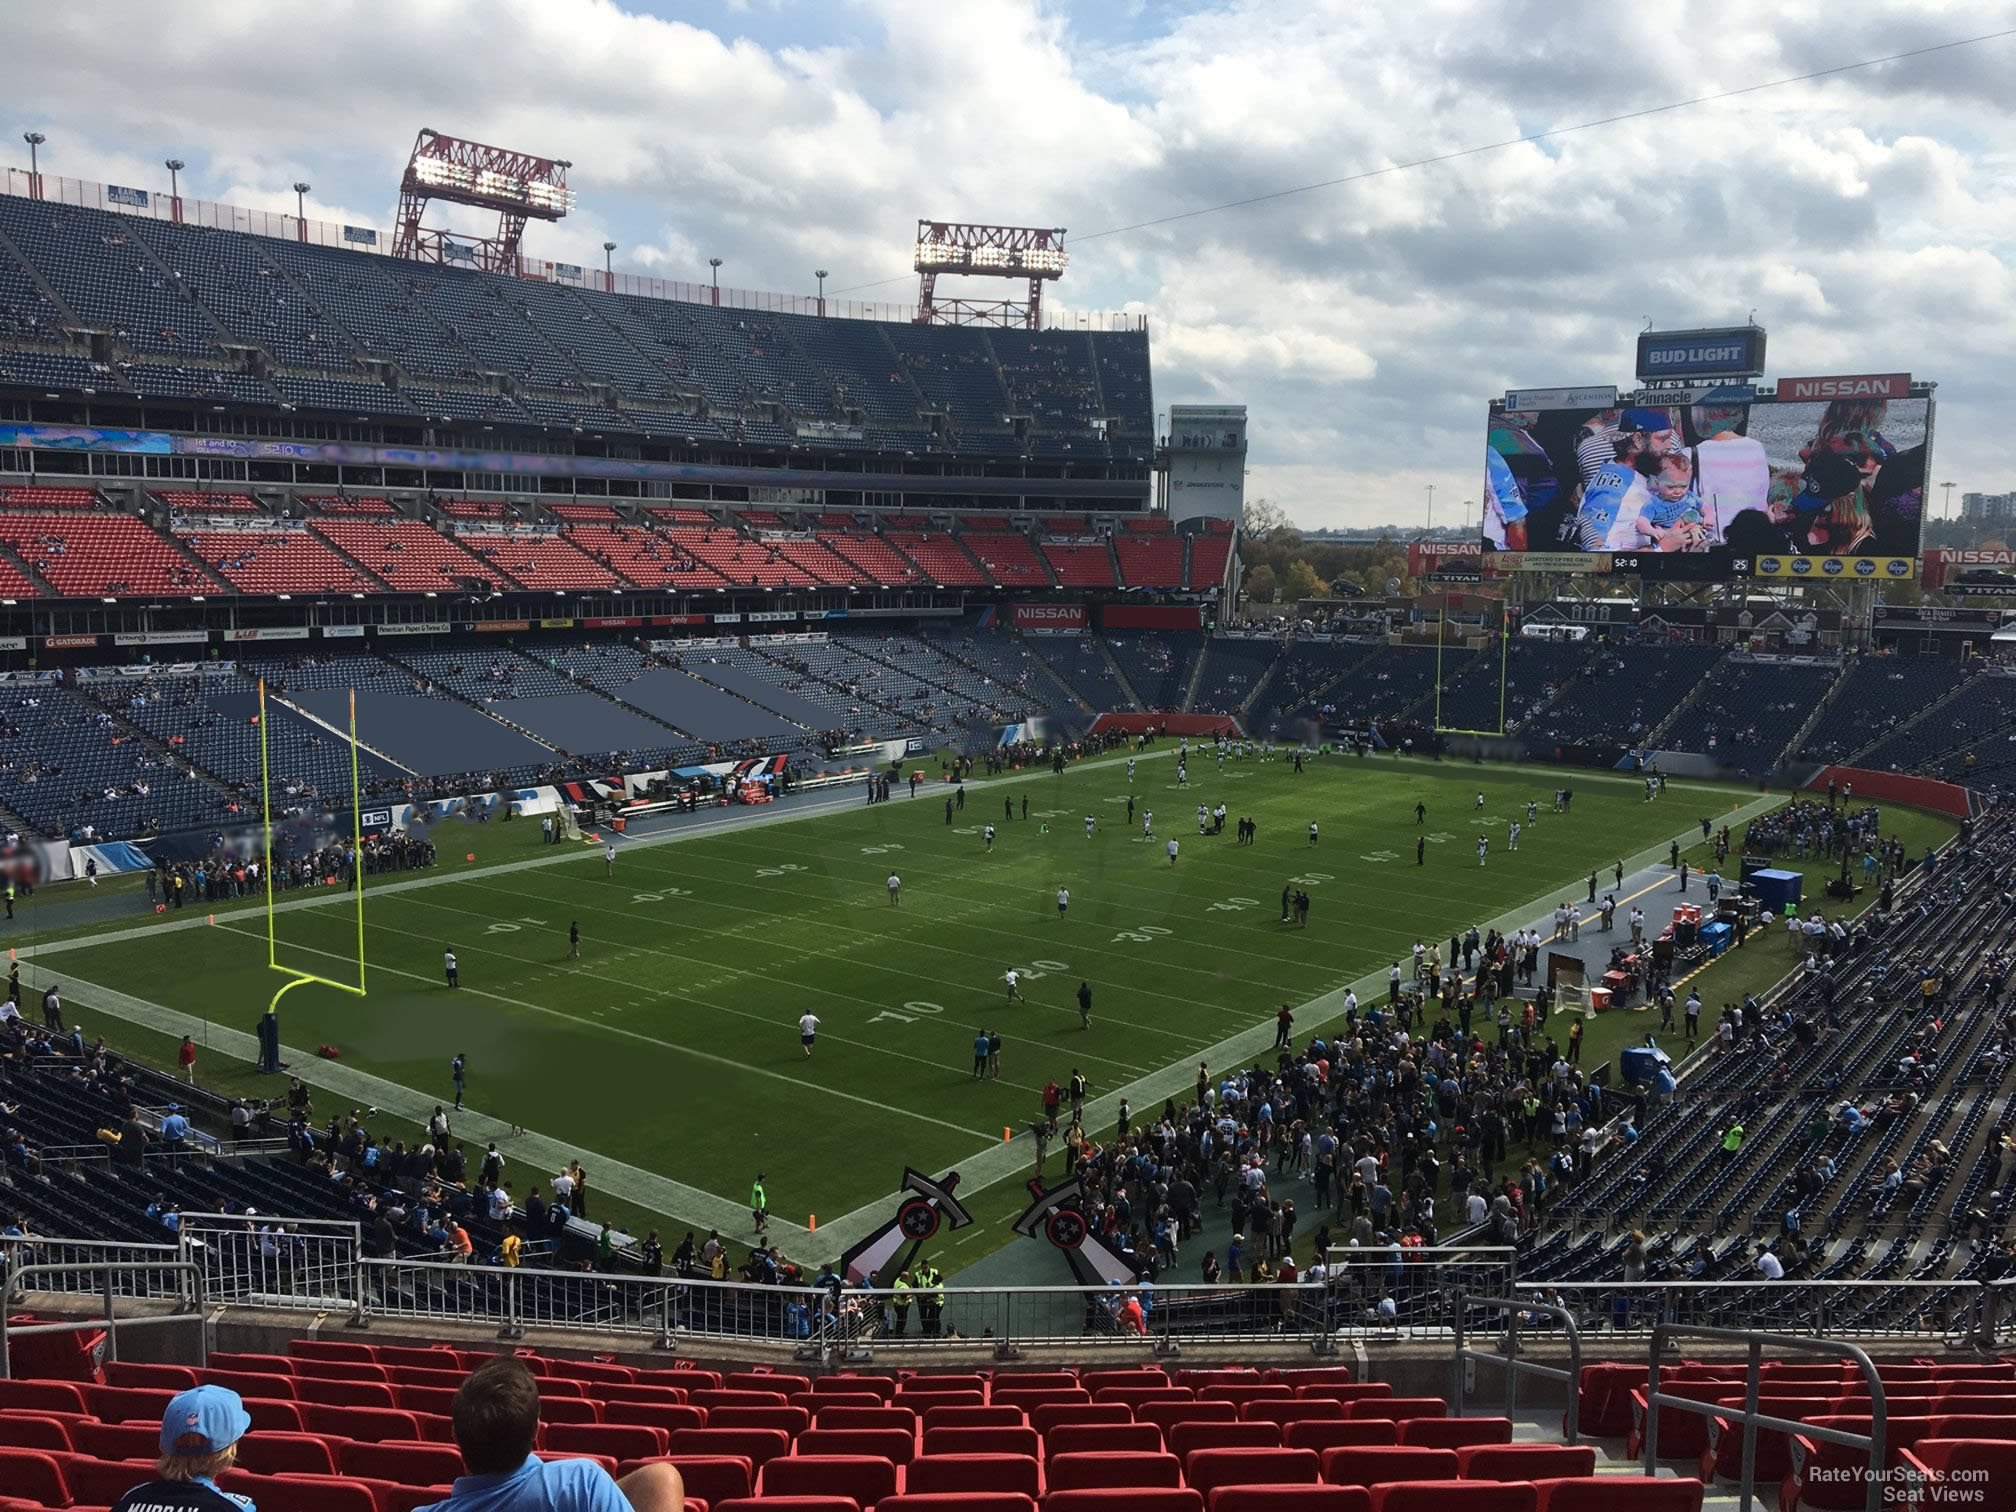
(1052, 617)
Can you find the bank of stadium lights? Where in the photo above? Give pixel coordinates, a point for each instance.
(957, 247)
(517, 185)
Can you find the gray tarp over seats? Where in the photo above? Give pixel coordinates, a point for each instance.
(430, 735)
(759, 690)
(706, 712)
(584, 724)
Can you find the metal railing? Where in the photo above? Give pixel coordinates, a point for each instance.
(106, 1272)
(1755, 1342)
(1507, 1356)
(320, 1266)
(147, 1270)
(263, 1261)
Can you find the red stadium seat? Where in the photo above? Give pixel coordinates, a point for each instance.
(968, 1415)
(1954, 1472)
(301, 1493)
(96, 1482)
(1030, 1399)
(1048, 1415)
(416, 1464)
(1220, 1375)
(263, 1364)
(1608, 1493)
(892, 1444)
(881, 1387)
(757, 1445)
(709, 1477)
(1096, 1381)
(1375, 1466)
(272, 1415)
(1454, 1433)
(904, 1418)
(405, 1357)
(135, 1373)
(1291, 1499)
(1036, 1380)
(666, 1415)
(1240, 1395)
(34, 1430)
(974, 1472)
(1299, 1376)
(349, 1393)
(1603, 1405)
(1342, 1391)
(1102, 1438)
(618, 1440)
(1134, 1393)
(109, 1404)
(1524, 1461)
(1335, 1434)
(274, 1453)
(721, 1396)
(926, 1401)
(866, 1478)
(788, 1504)
(983, 1441)
(792, 1420)
(340, 1370)
(61, 1396)
(1139, 1499)
(1399, 1409)
(563, 1409)
(940, 1385)
(643, 1391)
(765, 1380)
(334, 1349)
(1841, 1482)
(1166, 1415)
(1185, 1439)
(251, 1384)
(116, 1441)
(1303, 1410)
(1457, 1496)
(373, 1423)
(1072, 1472)
(958, 1501)
(1207, 1469)
(588, 1370)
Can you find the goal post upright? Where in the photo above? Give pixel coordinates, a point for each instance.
(297, 976)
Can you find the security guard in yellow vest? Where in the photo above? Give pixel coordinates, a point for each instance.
(931, 1300)
(901, 1301)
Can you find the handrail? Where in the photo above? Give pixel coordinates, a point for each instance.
(190, 1312)
(1512, 1307)
(1754, 1340)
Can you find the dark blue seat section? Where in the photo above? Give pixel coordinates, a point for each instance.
(428, 734)
(704, 712)
(582, 722)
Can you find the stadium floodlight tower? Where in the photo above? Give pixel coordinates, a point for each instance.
(1031, 252)
(517, 185)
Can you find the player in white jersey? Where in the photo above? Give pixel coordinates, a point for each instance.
(1512, 836)
(1172, 852)
(1063, 901)
(987, 834)
(1014, 980)
(1483, 845)
(1203, 818)
(1147, 824)
(1312, 831)
(1089, 824)
(1130, 768)
(895, 890)
(1182, 774)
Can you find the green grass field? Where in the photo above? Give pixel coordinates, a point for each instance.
(668, 1056)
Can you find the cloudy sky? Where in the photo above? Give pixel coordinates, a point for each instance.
(1868, 218)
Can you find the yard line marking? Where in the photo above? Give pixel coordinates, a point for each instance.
(642, 1038)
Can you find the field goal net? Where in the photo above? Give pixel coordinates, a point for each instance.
(567, 827)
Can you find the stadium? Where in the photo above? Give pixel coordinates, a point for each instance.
(747, 882)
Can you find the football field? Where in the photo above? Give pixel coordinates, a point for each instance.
(668, 1055)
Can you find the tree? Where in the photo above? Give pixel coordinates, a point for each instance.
(1262, 517)
(1263, 585)
(1302, 582)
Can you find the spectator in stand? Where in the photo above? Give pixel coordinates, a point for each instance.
(200, 1430)
(496, 1415)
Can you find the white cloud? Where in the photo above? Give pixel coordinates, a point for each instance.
(1868, 217)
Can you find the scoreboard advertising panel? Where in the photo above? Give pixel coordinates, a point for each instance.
(1826, 478)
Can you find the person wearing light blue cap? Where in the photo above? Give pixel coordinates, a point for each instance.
(199, 1441)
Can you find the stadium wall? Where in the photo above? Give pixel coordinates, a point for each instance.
(1167, 724)
(1896, 787)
